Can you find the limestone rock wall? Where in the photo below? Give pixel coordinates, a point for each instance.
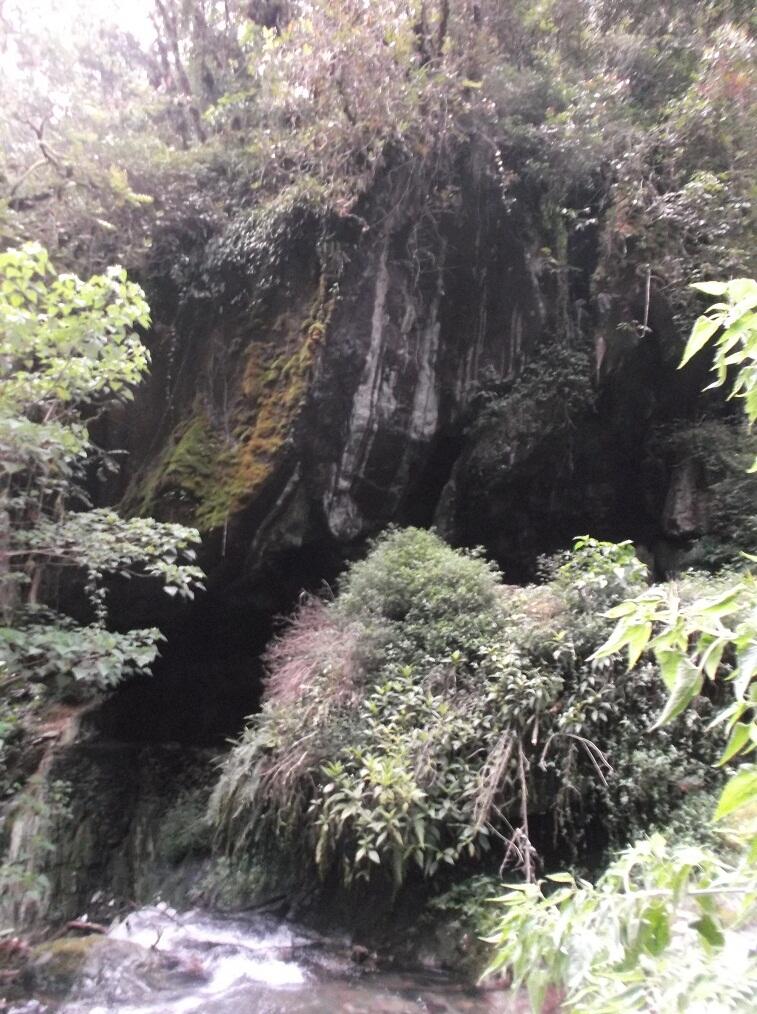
(436, 355)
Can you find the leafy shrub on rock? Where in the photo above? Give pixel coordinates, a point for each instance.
(429, 713)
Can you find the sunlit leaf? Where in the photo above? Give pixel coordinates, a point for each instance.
(703, 330)
(686, 685)
(739, 791)
(739, 738)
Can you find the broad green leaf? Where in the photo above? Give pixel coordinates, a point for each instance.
(729, 602)
(739, 738)
(687, 684)
(739, 791)
(637, 638)
(712, 657)
(741, 290)
(617, 640)
(711, 288)
(624, 609)
(669, 661)
(703, 330)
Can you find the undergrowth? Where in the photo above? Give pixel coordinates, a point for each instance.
(431, 716)
(663, 929)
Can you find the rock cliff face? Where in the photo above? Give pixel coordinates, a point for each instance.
(436, 355)
(126, 821)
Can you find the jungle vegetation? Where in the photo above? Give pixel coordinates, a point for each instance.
(654, 931)
(427, 723)
(628, 115)
(69, 351)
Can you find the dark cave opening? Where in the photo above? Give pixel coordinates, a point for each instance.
(209, 676)
(205, 682)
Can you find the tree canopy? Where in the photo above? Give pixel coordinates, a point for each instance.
(69, 350)
(633, 113)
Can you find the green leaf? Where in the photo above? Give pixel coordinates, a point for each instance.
(624, 609)
(637, 638)
(739, 791)
(747, 668)
(561, 878)
(617, 640)
(711, 288)
(703, 330)
(739, 738)
(712, 658)
(723, 605)
(709, 930)
(687, 684)
(655, 935)
(742, 290)
(669, 661)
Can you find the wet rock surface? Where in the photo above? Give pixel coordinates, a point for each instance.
(293, 428)
(60, 966)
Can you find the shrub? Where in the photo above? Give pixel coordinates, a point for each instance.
(593, 574)
(652, 934)
(429, 712)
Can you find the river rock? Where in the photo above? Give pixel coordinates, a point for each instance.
(57, 965)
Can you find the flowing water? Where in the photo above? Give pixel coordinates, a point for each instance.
(157, 961)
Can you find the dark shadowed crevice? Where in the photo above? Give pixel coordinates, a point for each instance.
(209, 676)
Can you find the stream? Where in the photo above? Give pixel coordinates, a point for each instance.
(158, 961)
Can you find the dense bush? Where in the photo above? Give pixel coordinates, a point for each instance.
(669, 929)
(430, 715)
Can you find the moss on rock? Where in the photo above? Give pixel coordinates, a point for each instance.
(210, 470)
(54, 966)
(185, 471)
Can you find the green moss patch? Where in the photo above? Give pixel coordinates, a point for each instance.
(204, 474)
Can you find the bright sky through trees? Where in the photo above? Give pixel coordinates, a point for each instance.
(130, 15)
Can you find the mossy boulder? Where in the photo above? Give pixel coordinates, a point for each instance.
(102, 968)
(55, 966)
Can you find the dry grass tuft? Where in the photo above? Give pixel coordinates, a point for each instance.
(319, 646)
